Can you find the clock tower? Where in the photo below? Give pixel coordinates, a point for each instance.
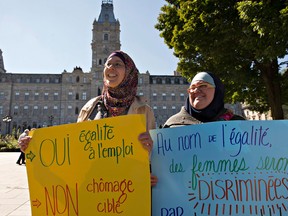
(105, 39)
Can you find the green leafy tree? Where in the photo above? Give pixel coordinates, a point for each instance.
(240, 41)
(284, 88)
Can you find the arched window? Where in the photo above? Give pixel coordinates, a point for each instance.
(76, 110)
(77, 96)
(106, 37)
(77, 79)
(100, 61)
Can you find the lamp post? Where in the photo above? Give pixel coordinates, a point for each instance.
(7, 119)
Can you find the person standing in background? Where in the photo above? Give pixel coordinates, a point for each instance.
(21, 159)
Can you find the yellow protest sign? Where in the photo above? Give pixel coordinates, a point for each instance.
(90, 168)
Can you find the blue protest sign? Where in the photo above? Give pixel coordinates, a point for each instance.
(221, 168)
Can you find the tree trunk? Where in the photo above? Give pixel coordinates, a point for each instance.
(270, 75)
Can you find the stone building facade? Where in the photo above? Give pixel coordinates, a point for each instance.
(41, 100)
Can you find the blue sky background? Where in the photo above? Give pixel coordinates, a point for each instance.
(49, 36)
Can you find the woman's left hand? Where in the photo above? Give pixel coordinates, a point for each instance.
(146, 141)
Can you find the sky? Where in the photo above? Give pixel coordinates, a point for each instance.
(50, 36)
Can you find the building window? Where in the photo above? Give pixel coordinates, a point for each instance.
(77, 96)
(2, 96)
(17, 96)
(47, 80)
(56, 94)
(25, 110)
(84, 96)
(70, 96)
(173, 96)
(141, 93)
(164, 96)
(26, 97)
(55, 109)
(154, 96)
(1, 110)
(106, 36)
(182, 97)
(46, 96)
(69, 107)
(77, 79)
(85, 79)
(76, 110)
(36, 96)
(45, 108)
(35, 110)
(155, 107)
(140, 81)
(16, 109)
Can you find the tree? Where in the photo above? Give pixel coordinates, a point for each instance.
(240, 41)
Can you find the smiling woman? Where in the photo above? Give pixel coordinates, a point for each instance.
(120, 79)
(205, 103)
(114, 71)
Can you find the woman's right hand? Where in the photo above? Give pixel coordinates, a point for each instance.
(153, 180)
(24, 142)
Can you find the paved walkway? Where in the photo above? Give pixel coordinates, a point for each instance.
(14, 193)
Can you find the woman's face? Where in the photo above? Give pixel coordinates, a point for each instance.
(114, 71)
(201, 94)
